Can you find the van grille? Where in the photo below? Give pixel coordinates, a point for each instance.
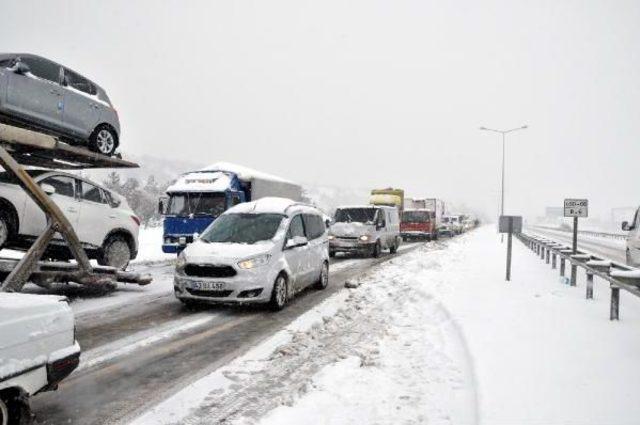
(212, 294)
(204, 270)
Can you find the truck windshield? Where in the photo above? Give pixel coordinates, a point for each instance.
(186, 204)
(415, 217)
(243, 228)
(358, 215)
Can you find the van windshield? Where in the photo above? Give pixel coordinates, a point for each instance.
(204, 204)
(243, 228)
(358, 215)
(415, 217)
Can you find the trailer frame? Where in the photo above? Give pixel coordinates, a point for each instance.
(21, 147)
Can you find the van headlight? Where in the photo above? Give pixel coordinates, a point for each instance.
(253, 262)
(182, 261)
(331, 237)
(364, 238)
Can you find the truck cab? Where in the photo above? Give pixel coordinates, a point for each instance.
(197, 198)
(193, 202)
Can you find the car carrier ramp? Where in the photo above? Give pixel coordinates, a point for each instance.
(20, 147)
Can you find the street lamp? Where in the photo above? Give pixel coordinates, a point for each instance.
(503, 132)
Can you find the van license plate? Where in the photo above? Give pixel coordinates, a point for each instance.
(208, 286)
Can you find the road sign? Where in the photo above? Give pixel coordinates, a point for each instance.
(510, 224)
(576, 207)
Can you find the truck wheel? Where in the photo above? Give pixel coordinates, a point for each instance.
(279, 294)
(332, 254)
(103, 140)
(115, 253)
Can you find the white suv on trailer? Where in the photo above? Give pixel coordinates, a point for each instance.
(38, 349)
(104, 223)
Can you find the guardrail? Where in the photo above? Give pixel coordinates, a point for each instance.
(619, 276)
(622, 236)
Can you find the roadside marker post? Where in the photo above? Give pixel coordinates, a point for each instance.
(509, 224)
(575, 208)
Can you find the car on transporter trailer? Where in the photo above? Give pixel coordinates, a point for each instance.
(40, 94)
(263, 251)
(106, 226)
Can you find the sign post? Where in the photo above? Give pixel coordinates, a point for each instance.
(509, 224)
(575, 208)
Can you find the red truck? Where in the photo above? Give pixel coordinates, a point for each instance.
(421, 218)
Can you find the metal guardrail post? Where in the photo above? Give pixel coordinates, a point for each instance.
(589, 286)
(553, 260)
(614, 310)
(562, 266)
(548, 256)
(574, 272)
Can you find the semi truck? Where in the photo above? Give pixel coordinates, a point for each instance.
(389, 197)
(198, 197)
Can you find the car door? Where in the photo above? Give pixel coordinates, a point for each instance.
(314, 229)
(64, 197)
(81, 110)
(96, 217)
(37, 95)
(297, 257)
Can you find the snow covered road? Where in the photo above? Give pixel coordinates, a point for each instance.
(435, 336)
(139, 347)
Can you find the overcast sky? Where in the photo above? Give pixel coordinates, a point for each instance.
(367, 93)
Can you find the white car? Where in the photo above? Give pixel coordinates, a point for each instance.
(365, 229)
(453, 223)
(104, 223)
(38, 349)
(633, 239)
(256, 252)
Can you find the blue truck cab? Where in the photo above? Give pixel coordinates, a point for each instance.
(197, 198)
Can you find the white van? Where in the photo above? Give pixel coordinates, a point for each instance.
(38, 349)
(256, 252)
(633, 239)
(365, 229)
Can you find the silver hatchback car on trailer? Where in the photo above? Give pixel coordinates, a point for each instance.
(40, 94)
(256, 252)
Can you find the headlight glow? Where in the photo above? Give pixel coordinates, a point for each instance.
(331, 237)
(364, 238)
(254, 262)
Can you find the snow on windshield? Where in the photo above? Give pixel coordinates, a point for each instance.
(243, 228)
(358, 215)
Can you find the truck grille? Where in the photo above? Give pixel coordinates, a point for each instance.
(204, 270)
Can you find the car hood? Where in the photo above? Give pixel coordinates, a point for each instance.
(353, 229)
(202, 252)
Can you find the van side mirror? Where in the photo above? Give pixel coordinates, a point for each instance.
(626, 227)
(296, 241)
(380, 225)
(21, 68)
(162, 205)
(48, 189)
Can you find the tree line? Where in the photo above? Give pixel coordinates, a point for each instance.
(142, 198)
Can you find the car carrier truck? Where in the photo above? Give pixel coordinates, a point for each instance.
(198, 197)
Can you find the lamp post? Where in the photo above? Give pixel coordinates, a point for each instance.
(503, 132)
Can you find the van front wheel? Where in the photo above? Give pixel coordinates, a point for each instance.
(279, 294)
